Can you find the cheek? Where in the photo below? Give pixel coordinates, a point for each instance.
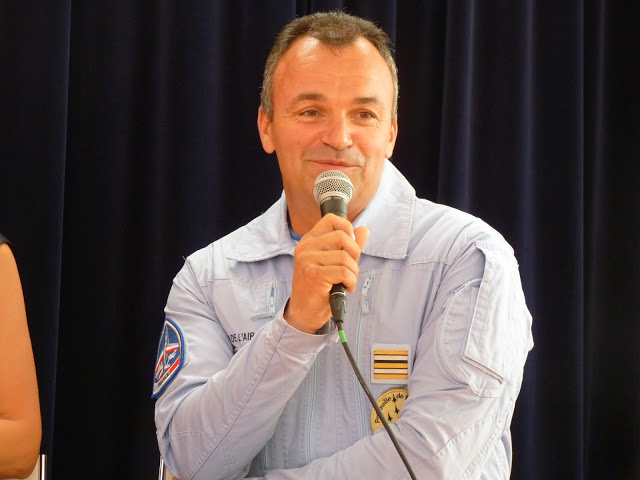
(295, 139)
(375, 156)
(375, 148)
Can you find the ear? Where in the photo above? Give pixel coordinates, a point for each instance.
(393, 134)
(264, 128)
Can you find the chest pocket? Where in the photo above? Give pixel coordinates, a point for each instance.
(268, 309)
(485, 332)
(243, 308)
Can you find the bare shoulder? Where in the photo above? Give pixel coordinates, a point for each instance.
(11, 303)
(8, 267)
(6, 256)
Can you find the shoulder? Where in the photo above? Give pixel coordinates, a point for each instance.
(7, 260)
(266, 236)
(10, 284)
(225, 246)
(445, 232)
(209, 261)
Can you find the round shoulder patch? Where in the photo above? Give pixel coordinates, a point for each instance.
(390, 402)
(170, 357)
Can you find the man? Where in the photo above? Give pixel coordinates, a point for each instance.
(250, 377)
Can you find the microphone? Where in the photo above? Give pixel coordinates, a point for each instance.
(333, 190)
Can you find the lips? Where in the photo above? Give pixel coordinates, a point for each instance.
(333, 163)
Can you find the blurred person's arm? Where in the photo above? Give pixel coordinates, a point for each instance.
(20, 424)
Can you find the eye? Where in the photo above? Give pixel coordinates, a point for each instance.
(309, 113)
(365, 115)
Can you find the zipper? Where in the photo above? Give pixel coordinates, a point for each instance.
(364, 304)
(266, 465)
(364, 309)
(312, 411)
(271, 303)
(446, 366)
(271, 299)
(455, 292)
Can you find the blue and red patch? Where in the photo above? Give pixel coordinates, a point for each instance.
(170, 357)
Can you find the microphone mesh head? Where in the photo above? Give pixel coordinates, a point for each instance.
(332, 183)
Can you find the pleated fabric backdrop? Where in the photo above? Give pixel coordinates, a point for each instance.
(128, 139)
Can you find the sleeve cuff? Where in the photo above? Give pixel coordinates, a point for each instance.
(299, 343)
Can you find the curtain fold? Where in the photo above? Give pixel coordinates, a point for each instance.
(128, 140)
(612, 240)
(34, 72)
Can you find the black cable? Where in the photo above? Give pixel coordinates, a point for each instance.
(356, 370)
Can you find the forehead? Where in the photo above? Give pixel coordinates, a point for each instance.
(310, 64)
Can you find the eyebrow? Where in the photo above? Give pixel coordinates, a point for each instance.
(305, 96)
(368, 100)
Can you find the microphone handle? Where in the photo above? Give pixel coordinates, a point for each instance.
(337, 296)
(338, 302)
(335, 205)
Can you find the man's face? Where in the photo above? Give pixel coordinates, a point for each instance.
(331, 111)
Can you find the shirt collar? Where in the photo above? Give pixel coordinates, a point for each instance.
(265, 237)
(388, 216)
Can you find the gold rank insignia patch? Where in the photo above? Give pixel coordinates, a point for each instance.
(390, 403)
(391, 364)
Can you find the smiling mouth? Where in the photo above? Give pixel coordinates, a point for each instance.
(335, 163)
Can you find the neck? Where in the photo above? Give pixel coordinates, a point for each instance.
(302, 220)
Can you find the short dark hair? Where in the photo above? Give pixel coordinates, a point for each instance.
(334, 29)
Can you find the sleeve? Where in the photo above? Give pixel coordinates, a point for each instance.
(466, 377)
(219, 409)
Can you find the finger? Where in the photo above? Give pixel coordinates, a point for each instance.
(335, 240)
(321, 258)
(329, 275)
(330, 223)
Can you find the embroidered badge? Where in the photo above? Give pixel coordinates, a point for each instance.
(391, 364)
(390, 403)
(170, 357)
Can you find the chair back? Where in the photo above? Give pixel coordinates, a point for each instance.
(164, 473)
(40, 470)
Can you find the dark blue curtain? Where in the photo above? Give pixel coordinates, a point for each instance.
(34, 79)
(128, 139)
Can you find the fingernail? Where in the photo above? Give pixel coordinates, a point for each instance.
(353, 236)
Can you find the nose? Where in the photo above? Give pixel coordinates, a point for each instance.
(337, 133)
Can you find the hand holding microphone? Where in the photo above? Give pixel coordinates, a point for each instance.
(326, 264)
(326, 259)
(333, 190)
